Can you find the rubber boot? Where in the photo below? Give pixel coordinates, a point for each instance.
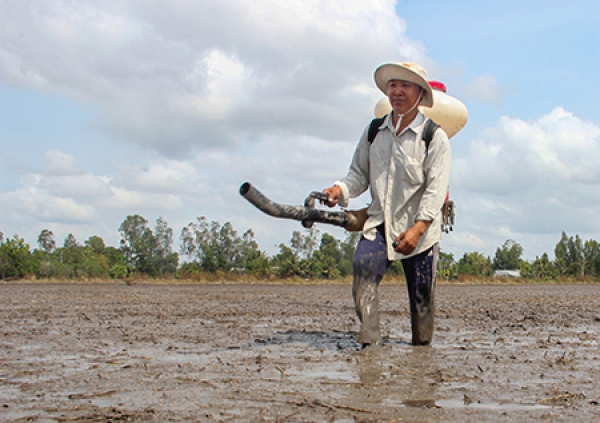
(370, 265)
(366, 301)
(420, 280)
(422, 322)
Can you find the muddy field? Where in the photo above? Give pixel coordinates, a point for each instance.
(271, 352)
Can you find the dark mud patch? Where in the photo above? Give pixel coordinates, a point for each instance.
(335, 341)
(288, 353)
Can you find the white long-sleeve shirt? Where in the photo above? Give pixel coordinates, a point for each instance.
(407, 181)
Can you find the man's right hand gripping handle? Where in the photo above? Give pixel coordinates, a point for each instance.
(333, 195)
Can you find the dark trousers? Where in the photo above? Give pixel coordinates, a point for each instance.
(370, 265)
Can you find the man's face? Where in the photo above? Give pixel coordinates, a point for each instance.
(402, 95)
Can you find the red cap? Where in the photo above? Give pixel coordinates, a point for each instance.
(437, 85)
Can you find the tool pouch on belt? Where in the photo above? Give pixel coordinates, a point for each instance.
(448, 216)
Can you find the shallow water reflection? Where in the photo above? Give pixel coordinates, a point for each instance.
(395, 377)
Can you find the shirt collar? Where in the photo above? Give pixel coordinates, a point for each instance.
(417, 121)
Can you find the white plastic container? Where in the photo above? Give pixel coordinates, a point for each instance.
(449, 112)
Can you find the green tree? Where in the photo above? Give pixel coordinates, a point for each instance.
(475, 264)
(348, 250)
(212, 246)
(250, 258)
(70, 258)
(327, 258)
(115, 257)
(46, 241)
(591, 253)
(213, 257)
(561, 256)
(146, 251)
(187, 240)
(227, 245)
(44, 264)
(71, 242)
(166, 260)
(569, 256)
(43, 257)
(285, 263)
(541, 268)
(446, 266)
(330, 247)
(311, 241)
(576, 256)
(304, 246)
(96, 244)
(196, 241)
(164, 237)
(132, 230)
(15, 258)
(94, 265)
(297, 245)
(509, 256)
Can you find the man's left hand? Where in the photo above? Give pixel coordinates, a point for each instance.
(408, 240)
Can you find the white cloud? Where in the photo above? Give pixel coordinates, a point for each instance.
(224, 79)
(35, 199)
(522, 179)
(519, 156)
(185, 75)
(59, 164)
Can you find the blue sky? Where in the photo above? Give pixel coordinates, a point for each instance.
(163, 109)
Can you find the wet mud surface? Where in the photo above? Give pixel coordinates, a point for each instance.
(252, 352)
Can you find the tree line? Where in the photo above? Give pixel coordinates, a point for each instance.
(207, 248)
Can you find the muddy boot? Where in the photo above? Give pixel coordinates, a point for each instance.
(369, 265)
(420, 280)
(422, 323)
(366, 301)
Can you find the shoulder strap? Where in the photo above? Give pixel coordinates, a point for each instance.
(374, 129)
(429, 131)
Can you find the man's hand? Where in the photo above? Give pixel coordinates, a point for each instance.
(334, 193)
(407, 241)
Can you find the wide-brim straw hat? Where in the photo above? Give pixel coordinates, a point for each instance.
(405, 71)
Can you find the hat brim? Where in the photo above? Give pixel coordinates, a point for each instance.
(389, 71)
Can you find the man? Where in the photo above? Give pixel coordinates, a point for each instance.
(408, 182)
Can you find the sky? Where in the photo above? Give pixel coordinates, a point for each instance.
(163, 109)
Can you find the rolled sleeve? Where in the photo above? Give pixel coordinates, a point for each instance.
(344, 194)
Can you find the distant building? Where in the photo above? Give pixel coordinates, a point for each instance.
(507, 273)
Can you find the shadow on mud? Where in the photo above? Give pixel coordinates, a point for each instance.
(334, 341)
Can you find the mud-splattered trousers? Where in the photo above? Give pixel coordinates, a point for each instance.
(370, 265)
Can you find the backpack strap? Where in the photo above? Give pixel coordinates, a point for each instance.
(374, 128)
(428, 131)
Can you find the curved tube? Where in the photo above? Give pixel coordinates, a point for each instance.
(254, 196)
